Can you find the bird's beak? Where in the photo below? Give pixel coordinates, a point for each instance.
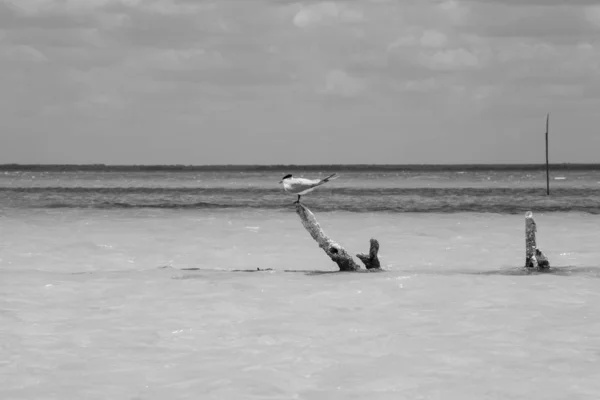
(281, 181)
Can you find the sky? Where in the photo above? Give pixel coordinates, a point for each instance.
(309, 82)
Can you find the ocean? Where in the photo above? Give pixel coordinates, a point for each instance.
(120, 283)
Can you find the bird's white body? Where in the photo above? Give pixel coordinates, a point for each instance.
(301, 186)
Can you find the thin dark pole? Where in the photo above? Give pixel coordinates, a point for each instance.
(547, 164)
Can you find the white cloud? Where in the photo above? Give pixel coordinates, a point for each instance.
(402, 41)
(167, 7)
(338, 82)
(412, 37)
(585, 48)
(592, 14)
(175, 59)
(433, 38)
(325, 12)
(512, 51)
(423, 85)
(30, 7)
(22, 53)
(563, 90)
(113, 21)
(456, 11)
(485, 92)
(453, 59)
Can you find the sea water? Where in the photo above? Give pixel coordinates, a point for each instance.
(138, 285)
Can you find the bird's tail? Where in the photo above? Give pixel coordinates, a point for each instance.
(330, 177)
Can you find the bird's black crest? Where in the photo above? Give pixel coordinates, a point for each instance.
(287, 176)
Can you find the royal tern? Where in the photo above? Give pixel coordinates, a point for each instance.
(302, 186)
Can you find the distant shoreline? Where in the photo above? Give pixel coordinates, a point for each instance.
(314, 167)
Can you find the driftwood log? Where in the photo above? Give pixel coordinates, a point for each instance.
(534, 258)
(333, 249)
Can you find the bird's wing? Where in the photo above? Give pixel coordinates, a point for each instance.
(301, 183)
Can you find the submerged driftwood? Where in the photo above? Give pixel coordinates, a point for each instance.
(334, 250)
(534, 258)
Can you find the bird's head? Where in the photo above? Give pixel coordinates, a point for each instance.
(288, 176)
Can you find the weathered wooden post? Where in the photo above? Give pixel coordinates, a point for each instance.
(547, 161)
(371, 260)
(334, 250)
(534, 258)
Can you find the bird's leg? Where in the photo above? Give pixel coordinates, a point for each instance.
(297, 201)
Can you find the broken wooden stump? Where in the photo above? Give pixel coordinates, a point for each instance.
(371, 260)
(534, 258)
(334, 250)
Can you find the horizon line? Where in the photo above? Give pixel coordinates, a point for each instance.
(454, 166)
(275, 164)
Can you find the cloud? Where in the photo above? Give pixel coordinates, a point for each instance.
(434, 50)
(175, 59)
(338, 82)
(433, 38)
(140, 68)
(537, 3)
(324, 13)
(592, 15)
(423, 85)
(455, 11)
(452, 59)
(22, 53)
(75, 7)
(13, 17)
(559, 23)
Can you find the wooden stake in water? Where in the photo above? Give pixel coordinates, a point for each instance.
(534, 258)
(547, 164)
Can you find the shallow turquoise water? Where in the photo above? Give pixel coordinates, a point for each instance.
(97, 303)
